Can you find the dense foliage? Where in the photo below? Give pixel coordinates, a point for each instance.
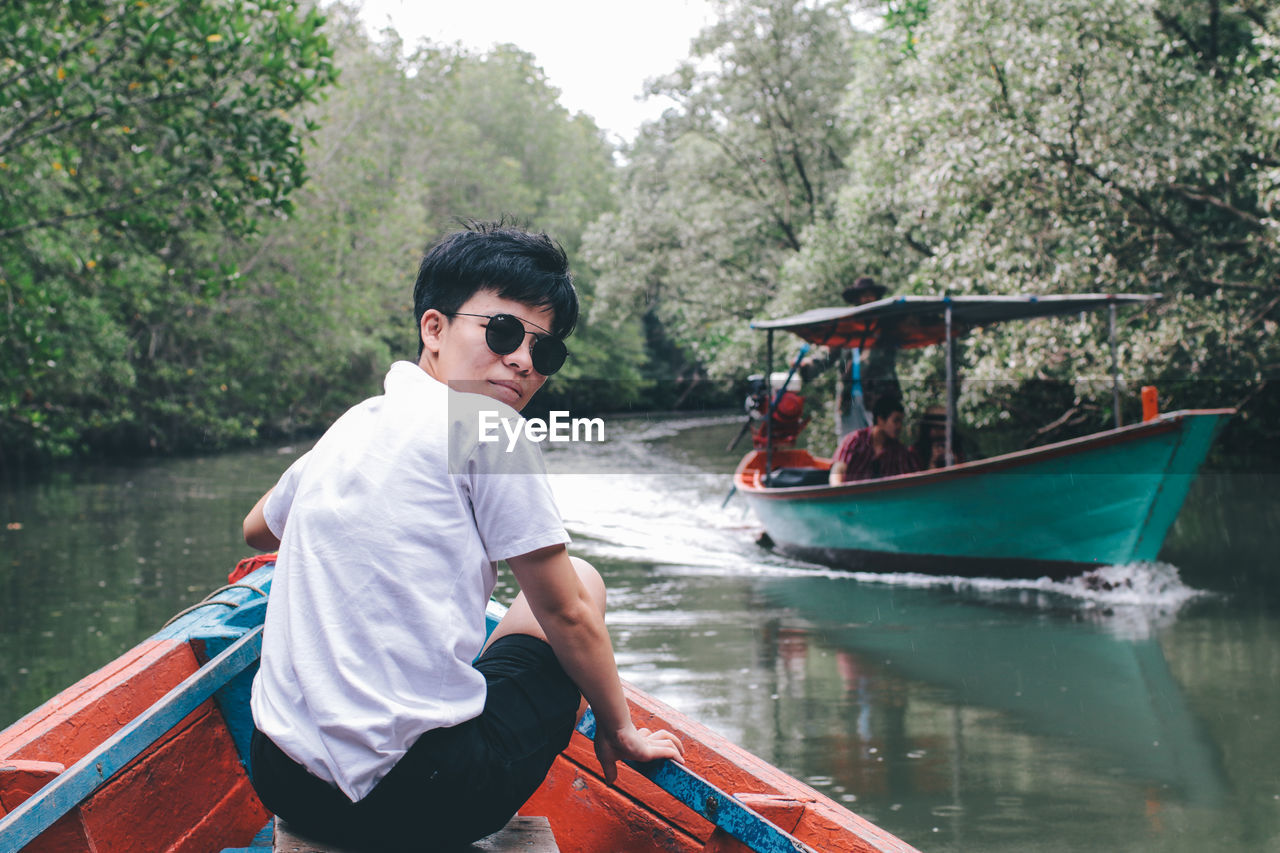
(132, 136)
(720, 193)
(207, 236)
(976, 147)
(407, 147)
(171, 282)
(1127, 145)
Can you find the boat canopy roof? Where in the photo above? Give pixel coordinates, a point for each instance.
(917, 321)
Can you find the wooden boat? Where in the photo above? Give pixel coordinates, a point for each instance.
(149, 754)
(1105, 499)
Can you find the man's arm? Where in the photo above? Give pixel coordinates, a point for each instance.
(256, 532)
(574, 626)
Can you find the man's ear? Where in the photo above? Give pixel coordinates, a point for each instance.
(429, 329)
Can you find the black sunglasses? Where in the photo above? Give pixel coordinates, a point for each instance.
(504, 334)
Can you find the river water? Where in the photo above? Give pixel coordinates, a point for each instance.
(1136, 711)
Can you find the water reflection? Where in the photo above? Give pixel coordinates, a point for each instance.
(1125, 711)
(96, 559)
(1053, 675)
(959, 721)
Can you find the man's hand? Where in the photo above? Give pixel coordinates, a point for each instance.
(632, 744)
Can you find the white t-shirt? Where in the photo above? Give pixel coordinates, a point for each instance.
(390, 529)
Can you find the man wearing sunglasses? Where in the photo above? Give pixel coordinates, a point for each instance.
(374, 725)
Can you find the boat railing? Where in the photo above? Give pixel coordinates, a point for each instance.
(65, 792)
(721, 809)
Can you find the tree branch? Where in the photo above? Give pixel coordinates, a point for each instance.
(84, 214)
(1201, 195)
(107, 58)
(74, 48)
(1174, 29)
(96, 113)
(1261, 315)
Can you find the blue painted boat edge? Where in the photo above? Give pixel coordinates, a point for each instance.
(43, 808)
(719, 808)
(230, 616)
(217, 613)
(212, 633)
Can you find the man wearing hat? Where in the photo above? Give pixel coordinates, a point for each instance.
(863, 290)
(865, 375)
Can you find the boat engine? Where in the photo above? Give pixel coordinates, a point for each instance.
(788, 413)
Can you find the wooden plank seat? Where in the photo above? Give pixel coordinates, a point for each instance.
(520, 835)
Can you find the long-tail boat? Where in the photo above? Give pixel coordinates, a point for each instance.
(150, 752)
(1057, 510)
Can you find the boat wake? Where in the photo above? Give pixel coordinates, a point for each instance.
(1130, 601)
(645, 505)
(1135, 584)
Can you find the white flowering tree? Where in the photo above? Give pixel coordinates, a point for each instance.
(720, 192)
(1072, 146)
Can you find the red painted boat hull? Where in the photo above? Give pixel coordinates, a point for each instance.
(190, 791)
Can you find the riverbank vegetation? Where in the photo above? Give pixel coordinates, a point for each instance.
(211, 211)
(977, 147)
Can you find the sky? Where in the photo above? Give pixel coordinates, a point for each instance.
(596, 52)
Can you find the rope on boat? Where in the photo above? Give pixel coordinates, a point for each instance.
(207, 601)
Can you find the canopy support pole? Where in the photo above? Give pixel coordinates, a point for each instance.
(768, 411)
(951, 395)
(1115, 369)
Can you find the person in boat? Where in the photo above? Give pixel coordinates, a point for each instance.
(930, 446)
(865, 375)
(874, 451)
(376, 724)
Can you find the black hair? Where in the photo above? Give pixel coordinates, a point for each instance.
(884, 407)
(514, 263)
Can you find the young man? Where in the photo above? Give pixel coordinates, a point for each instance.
(874, 451)
(374, 728)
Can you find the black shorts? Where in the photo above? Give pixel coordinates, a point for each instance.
(454, 785)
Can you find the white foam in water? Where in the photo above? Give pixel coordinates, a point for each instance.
(1133, 584)
(644, 518)
(1130, 601)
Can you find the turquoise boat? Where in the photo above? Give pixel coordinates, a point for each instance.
(1104, 499)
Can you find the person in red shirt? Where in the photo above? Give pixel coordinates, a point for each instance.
(874, 451)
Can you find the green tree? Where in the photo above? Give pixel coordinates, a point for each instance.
(409, 145)
(501, 144)
(224, 300)
(132, 135)
(719, 193)
(1125, 145)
